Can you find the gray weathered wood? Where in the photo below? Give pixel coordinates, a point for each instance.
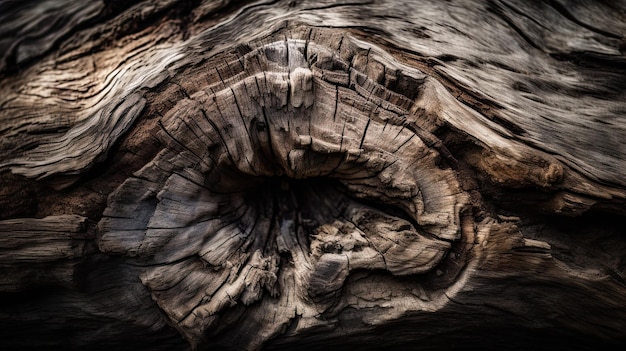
(313, 173)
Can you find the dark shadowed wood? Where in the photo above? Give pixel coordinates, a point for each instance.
(272, 175)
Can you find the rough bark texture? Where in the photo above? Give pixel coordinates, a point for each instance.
(281, 174)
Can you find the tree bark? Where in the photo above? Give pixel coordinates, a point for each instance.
(313, 174)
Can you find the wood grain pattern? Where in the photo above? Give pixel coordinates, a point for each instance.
(324, 174)
(31, 247)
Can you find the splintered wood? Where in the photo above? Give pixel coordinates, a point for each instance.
(268, 185)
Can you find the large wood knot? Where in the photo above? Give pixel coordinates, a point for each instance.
(297, 165)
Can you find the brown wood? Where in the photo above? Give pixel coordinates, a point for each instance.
(272, 175)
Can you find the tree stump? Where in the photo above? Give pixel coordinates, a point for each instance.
(313, 174)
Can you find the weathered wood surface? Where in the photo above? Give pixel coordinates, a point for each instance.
(252, 175)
